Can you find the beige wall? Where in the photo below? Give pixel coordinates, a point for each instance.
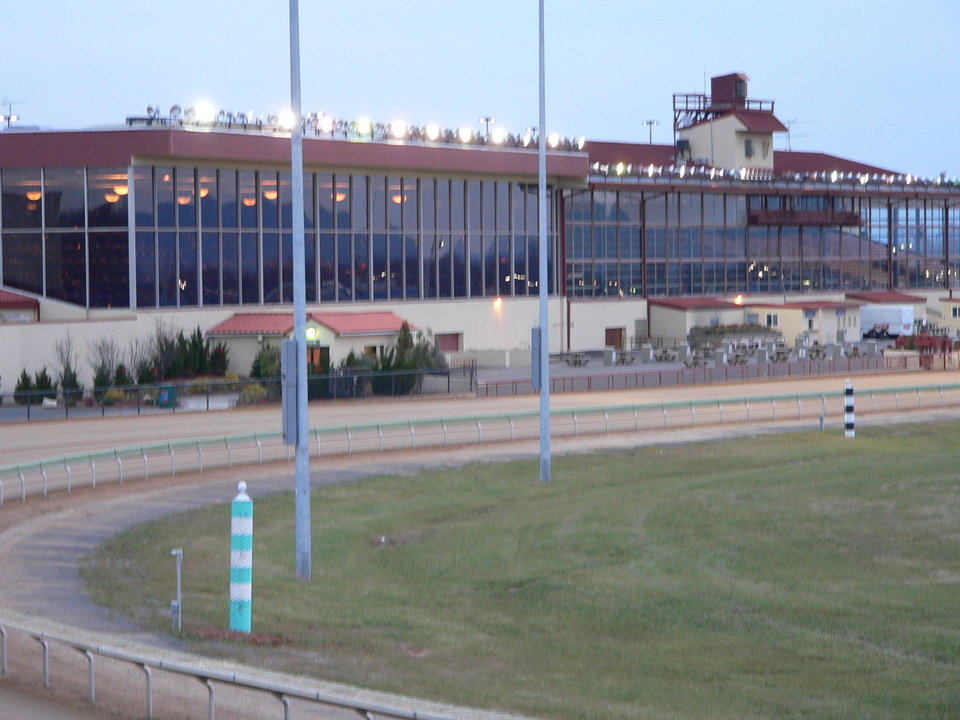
(589, 320)
(721, 143)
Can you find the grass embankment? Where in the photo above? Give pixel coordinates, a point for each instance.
(796, 575)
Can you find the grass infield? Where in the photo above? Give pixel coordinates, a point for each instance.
(798, 575)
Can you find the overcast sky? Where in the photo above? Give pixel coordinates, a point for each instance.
(876, 81)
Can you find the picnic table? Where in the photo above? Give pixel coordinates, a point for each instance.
(624, 358)
(664, 355)
(576, 359)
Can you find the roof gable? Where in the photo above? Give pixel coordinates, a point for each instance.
(343, 324)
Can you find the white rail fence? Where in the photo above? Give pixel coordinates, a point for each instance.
(145, 461)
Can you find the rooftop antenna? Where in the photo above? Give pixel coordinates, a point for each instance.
(9, 117)
(790, 123)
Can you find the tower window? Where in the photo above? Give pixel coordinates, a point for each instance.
(748, 147)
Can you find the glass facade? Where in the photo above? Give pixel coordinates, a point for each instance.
(190, 236)
(222, 236)
(648, 243)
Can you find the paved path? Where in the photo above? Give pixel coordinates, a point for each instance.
(42, 541)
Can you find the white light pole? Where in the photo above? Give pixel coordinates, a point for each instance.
(486, 120)
(543, 276)
(302, 491)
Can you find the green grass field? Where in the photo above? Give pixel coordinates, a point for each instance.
(789, 576)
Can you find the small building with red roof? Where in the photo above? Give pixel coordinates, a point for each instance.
(331, 336)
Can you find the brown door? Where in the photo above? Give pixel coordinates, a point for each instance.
(613, 337)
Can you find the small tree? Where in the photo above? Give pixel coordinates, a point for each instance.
(68, 379)
(105, 356)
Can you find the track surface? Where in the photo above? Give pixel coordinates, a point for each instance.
(42, 540)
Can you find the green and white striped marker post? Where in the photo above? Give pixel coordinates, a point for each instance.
(241, 560)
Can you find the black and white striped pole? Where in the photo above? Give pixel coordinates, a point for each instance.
(848, 419)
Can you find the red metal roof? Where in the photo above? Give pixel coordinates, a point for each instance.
(794, 161)
(886, 297)
(754, 120)
(343, 324)
(164, 144)
(360, 323)
(13, 300)
(275, 324)
(692, 303)
(759, 121)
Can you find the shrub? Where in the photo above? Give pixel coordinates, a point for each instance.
(24, 388)
(121, 377)
(219, 359)
(253, 393)
(44, 383)
(113, 395)
(267, 363)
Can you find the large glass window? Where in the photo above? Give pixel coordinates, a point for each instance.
(22, 198)
(63, 201)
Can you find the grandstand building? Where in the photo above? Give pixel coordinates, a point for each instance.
(187, 217)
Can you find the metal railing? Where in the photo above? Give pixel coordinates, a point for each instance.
(211, 679)
(170, 458)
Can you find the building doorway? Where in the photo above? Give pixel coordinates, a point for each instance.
(614, 337)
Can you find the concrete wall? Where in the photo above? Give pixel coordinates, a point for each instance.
(589, 320)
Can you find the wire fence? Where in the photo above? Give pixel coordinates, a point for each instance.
(218, 394)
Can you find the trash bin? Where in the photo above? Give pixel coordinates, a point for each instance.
(167, 396)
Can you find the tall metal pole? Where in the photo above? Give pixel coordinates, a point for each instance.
(302, 501)
(543, 278)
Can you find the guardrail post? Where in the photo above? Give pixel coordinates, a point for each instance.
(512, 427)
(316, 434)
(43, 472)
(93, 473)
(226, 444)
(693, 414)
(211, 701)
(69, 477)
(149, 684)
(746, 404)
(349, 443)
(46, 661)
(636, 421)
(3, 650)
(199, 456)
(119, 467)
(259, 451)
(479, 431)
(663, 409)
(919, 401)
(380, 436)
(91, 678)
(606, 422)
(287, 713)
(773, 404)
(146, 469)
(413, 436)
(173, 460)
(443, 426)
(23, 485)
(576, 429)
